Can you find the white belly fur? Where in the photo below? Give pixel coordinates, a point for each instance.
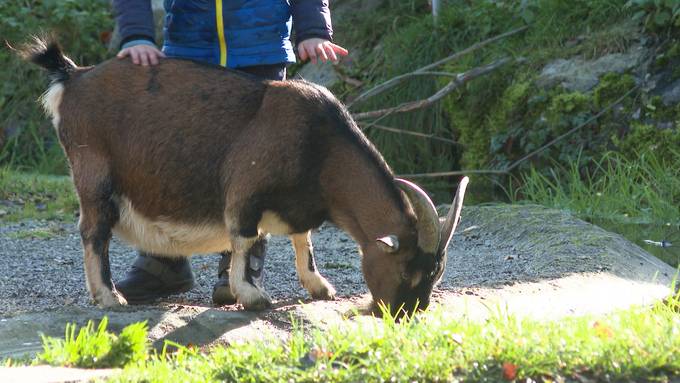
(180, 239)
(166, 237)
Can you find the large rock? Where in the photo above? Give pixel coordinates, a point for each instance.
(545, 263)
(581, 75)
(323, 74)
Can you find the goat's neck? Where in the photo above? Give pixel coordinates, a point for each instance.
(362, 202)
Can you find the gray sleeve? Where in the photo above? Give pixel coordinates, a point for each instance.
(311, 18)
(134, 19)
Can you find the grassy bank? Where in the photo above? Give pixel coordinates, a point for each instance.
(636, 195)
(639, 344)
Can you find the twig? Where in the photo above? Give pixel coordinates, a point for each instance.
(451, 173)
(408, 132)
(461, 79)
(515, 164)
(396, 80)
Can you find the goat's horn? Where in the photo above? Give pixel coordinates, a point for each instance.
(453, 217)
(428, 221)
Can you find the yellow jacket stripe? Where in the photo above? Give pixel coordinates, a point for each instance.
(220, 33)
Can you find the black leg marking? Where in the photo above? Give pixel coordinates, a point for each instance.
(255, 259)
(99, 215)
(311, 264)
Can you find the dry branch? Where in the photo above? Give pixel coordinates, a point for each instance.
(515, 164)
(397, 80)
(461, 79)
(408, 132)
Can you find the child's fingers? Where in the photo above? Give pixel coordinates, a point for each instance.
(328, 47)
(302, 52)
(322, 52)
(144, 57)
(312, 55)
(153, 58)
(135, 56)
(339, 50)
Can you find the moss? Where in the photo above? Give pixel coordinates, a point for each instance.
(611, 87)
(655, 109)
(644, 136)
(564, 106)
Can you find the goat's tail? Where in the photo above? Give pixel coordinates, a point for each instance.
(47, 53)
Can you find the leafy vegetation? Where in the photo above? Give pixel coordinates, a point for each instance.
(96, 348)
(637, 344)
(27, 139)
(656, 15)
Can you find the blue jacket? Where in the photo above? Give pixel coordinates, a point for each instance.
(231, 33)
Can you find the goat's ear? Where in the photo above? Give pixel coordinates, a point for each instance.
(388, 244)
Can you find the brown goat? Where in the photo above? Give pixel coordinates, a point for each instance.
(185, 158)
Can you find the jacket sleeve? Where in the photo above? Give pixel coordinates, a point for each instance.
(311, 18)
(134, 19)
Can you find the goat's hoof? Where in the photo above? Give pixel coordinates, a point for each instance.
(110, 299)
(257, 305)
(256, 302)
(327, 293)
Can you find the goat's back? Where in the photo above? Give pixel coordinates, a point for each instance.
(183, 139)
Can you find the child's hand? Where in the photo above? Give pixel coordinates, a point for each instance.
(320, 48)
(142, 54)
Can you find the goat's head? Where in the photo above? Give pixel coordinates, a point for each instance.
(401, 269)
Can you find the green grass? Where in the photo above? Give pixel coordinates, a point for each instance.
(35, 196)
(641, 343)
(27, 138)
(95, 347)
(37, 233)
(636, 196)
(638, 188)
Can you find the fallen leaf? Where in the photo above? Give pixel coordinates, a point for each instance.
(313, 356)
(603, 331)
(319, 353)
(509, 371)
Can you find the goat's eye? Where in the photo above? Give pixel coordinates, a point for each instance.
(404, 275)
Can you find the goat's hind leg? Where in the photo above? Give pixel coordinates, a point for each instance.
(242, 286)
(98, 215)
(317, 286)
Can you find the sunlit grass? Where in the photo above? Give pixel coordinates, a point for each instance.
(642, 188)
(95, 347)
(641, 343)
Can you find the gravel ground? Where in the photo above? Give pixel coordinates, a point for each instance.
(496, 247)
(47, 273)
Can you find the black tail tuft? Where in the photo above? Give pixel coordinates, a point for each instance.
(47, 53)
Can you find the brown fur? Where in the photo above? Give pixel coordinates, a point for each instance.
(193, 144)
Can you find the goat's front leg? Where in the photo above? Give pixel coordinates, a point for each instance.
(242, 286)
(317, 286)
(98, 215)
